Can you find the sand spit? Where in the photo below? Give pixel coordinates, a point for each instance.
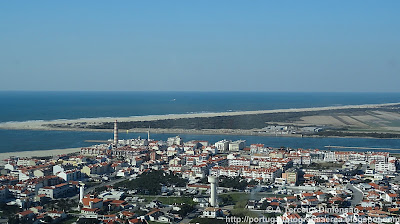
(37, 153)
(41, 124)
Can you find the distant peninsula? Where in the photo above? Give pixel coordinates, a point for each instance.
(370, 120)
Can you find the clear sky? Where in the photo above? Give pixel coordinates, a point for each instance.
(330, 46)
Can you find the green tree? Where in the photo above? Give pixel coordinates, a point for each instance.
(151, 182)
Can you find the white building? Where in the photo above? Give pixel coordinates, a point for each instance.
(57, 169)
(385, 167)
(237, 145)
(26, 162)
(212, 213)
(225, 171)
(239, 162)
(57, 191)
(175, 141)
(70, 175)
(222, 145)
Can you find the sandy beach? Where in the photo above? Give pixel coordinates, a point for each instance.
(39, 153)
(40, 125)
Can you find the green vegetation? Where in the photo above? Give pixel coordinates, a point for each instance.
(62, 204)
(270, 215)
(225, 199)
(207, 221)
(240, 210)
(248, 121)
(176, 200)
(91, 184)
(100, 189)
(235, 197)
(324, 165)
(168, 200)
(357, 134)
(151, 182)
(147, 198)
(237, 183)
(185, 209)
(9, 211)
(258, 121)
(88, 221)
(220, 122)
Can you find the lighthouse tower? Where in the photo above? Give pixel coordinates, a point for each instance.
(115, 133)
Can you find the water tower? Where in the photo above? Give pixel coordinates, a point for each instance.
(213, 198)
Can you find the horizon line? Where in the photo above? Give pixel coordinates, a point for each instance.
(199, 91)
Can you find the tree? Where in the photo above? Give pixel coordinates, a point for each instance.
(233, 182)
(185, 209)
(151, 182)
(48, 219)
(226, 199)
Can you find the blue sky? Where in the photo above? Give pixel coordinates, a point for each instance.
(312, 46)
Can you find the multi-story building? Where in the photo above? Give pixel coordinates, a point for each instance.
(175, 141)
(385, 167)
(225, 171)
(222, 145)
(70, 175)
(57, 191)
(263, 174)
(237, 145)
(239, 162)
(290, 177)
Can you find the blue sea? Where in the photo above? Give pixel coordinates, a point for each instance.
(23, 106)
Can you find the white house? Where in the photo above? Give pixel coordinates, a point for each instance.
(212, 213)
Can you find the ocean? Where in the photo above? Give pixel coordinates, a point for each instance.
(24, 105)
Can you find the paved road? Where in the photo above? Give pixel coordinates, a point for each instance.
(357, 195)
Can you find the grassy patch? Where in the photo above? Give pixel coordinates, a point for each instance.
(241, 196)
(168, 200)
(70, 220)
(207, 221)
(178, 200)
(267, 195)
(147, 198)
(237, 196)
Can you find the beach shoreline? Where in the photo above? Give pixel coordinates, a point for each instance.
(36, 153)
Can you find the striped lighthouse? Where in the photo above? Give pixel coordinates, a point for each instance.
(115, 133)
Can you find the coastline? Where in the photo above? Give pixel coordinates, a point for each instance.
(38, 153)
(41, 124)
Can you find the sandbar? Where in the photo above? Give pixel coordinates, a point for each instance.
(41, 124)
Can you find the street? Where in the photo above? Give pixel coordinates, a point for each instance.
(357, 195)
